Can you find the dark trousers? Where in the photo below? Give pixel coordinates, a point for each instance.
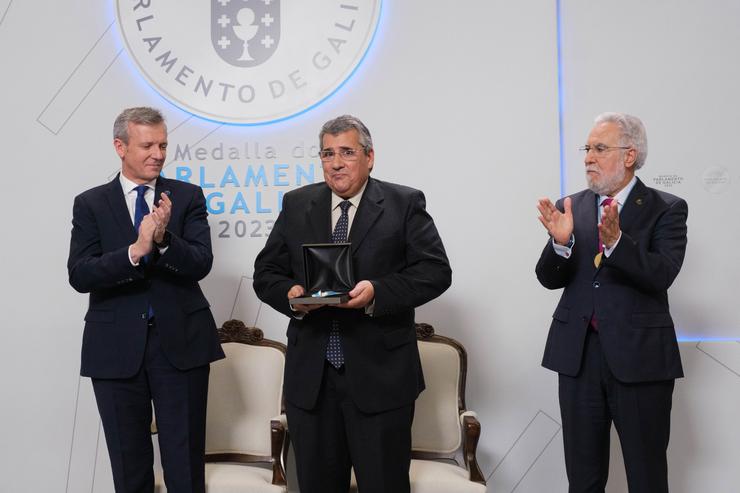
(335, 436)
(125, 407)
(641, 412)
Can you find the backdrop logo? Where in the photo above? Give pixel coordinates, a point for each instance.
(668, 180)
(716, 179)
(245, 36)
(247, 61)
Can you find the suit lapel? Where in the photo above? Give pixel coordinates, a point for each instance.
(368, 212)
(586, 214)
(159, 187)
(634, 206)
(630, 211)
(318, 217)
(119, 210)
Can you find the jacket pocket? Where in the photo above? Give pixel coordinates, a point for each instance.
(652, 320)
(100, 316)
(399, 337)
(195, 306)
(561, 314)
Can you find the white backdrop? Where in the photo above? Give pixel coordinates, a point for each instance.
(463, 103)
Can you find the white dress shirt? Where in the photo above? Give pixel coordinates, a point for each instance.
(336, 211)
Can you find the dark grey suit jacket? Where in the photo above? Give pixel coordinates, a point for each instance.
(116, 322)
(395, 245)
(628, 292)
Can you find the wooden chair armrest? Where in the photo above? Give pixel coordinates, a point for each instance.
(283, 420)
(471, 434)
(279, 449)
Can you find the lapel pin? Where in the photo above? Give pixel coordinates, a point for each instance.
(638, 201)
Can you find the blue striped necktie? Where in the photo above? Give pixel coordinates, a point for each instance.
(140, 211)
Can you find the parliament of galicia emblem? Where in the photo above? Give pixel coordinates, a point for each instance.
(245, 34)
(247, 61)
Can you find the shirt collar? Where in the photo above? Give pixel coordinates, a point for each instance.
(355, 201)
(128, 186)
(621, 197)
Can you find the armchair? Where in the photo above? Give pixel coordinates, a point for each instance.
(246, 430)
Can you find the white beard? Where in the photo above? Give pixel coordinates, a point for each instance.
(609, 184)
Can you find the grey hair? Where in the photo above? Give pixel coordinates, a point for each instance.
(633, 133)
(345, 123)
(142, 115)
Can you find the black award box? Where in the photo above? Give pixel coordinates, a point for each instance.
(328, 273)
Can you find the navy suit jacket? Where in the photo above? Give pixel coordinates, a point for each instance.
(627, 292)
(395, 245)
(120, 294)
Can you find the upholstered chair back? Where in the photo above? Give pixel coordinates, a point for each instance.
(444, 435)
(436, 425)
(246, 428)
(244, 395)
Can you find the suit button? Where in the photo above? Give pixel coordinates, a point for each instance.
(596, 284)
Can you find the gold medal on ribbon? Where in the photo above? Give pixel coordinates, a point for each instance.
(597, 259)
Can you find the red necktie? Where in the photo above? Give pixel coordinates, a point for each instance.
(606, 201)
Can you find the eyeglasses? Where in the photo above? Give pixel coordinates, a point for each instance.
(600, 149)
(345, 153)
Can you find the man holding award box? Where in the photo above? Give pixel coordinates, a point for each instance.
(353, 371)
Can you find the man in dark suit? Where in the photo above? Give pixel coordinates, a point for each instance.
(353, 371)
(139, 246)
(615, 248)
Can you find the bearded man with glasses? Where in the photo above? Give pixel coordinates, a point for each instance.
(615, 248)
(352, 370)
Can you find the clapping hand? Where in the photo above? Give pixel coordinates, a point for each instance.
(558, 224)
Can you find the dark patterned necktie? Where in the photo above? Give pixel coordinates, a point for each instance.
(334, 353)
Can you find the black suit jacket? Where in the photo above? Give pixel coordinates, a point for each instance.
(628, 292)
(120, 294)
(395, 245)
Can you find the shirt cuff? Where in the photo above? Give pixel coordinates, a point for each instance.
(564, 250)
(370, 309)
(608, 251)
(130, 259)
(298, 315)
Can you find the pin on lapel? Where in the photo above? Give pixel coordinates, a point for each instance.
(638, 201)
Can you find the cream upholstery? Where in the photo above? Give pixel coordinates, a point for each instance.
(232, 478)
(246, 437)
(245, 392)
(444, 433)
(429, 476)
(439, 477)
(436, 418)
